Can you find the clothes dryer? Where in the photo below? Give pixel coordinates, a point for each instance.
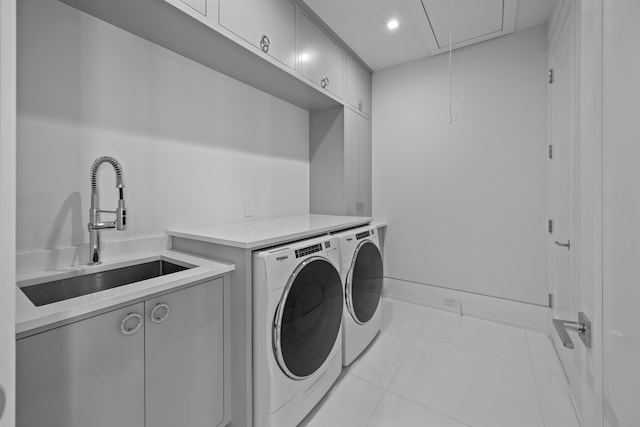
(297, 329)
(362, 274)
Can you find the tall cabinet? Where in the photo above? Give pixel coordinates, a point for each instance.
(340, 149)
(340, 162)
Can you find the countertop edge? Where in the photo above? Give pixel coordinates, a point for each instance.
(276, 239)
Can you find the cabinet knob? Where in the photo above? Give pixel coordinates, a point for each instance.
(127, 330)
(264, 44)
(360, 105)
(159, 313)
(324, 82)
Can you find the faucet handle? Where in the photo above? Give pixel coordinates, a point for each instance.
(121, 216)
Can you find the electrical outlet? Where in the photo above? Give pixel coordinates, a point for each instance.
(248, 209)
(450, 302)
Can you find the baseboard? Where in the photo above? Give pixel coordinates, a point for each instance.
(513, 313)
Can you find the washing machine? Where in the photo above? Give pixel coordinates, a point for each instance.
(362, 275)
(297, 329)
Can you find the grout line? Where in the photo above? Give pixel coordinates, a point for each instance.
(386, 389)
(535, 381)
(428, 408)
(415, 337)
(375, 409)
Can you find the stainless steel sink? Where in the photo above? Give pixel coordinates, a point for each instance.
(60, 290)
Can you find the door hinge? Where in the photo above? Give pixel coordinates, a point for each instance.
(551, 75)
(550, 154)
(550, 226)
(550, 300)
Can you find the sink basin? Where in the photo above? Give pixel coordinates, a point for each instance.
(60, 290)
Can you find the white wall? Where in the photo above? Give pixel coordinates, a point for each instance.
(194, 144)
(465, 201)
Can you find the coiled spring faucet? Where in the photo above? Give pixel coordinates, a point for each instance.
(94, 213)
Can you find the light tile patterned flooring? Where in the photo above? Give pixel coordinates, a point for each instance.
(434, 368)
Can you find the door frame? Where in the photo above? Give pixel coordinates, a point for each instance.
(8, 24)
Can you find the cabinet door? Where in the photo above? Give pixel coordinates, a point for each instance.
(358, 86)
(357, 164)
(351, 162)
(270, 25)
(184, 357)
(364, 180)
(88, 373)
(320, 57)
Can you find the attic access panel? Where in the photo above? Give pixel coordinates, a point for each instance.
(473, 21)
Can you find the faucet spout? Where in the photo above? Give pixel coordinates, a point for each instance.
(95, 225)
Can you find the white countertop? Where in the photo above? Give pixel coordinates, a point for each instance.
(30, 319)
(260, 233)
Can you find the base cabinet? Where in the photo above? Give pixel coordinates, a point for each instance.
(184, 358)
(157, 363)
(87, 373)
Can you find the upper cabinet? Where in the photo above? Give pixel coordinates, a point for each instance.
(269, 25)
(321, 60)
(358, 86)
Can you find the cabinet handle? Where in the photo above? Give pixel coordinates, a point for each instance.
(264, 44)
(3, 401)
(324, 82)
(360, 105)
(163, 317)
(130, 331)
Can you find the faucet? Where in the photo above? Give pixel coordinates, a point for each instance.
(94, 213)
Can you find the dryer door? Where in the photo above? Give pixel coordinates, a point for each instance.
(364, 282)
(308, 318)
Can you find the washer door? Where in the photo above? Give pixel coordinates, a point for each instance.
(364, 282)
(308, 318)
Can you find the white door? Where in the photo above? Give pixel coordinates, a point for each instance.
(7, 210)
(621, 234)
(576, 186)
(561, 189)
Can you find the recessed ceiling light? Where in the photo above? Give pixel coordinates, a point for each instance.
(393, 24)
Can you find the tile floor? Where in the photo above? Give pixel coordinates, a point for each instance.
(433, 368)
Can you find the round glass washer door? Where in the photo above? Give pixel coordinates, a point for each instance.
(308, 318)
(364, 282)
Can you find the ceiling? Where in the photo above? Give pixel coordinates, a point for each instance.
(424, 24)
